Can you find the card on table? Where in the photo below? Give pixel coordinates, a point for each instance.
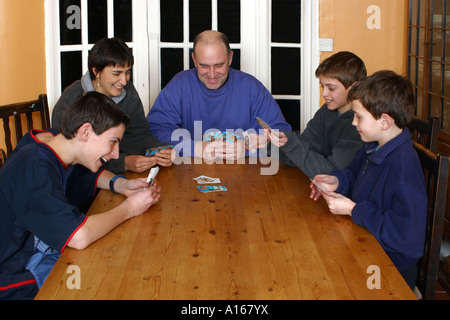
(206, 180)
(211, 188)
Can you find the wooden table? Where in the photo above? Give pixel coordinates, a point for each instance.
(262, 239)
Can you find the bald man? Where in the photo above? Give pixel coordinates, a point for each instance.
(211, 98)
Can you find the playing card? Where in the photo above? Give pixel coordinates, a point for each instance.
(248, 142)
(152, 151)
(263, 124)
(210, 188)
(225, 136)
(319, 186)
(206, 180)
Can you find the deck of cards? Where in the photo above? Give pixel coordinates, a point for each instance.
(264, 125)
(152, 151)
(224, 136)
(208, 184)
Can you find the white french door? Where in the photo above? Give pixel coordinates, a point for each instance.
(274, 40)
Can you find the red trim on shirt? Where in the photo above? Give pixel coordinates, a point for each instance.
(96, 180)
(18, 284)
(71, 236)
(39, 141)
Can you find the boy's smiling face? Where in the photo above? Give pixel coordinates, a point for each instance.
(335, 94)
(102, 148)
(368, 127)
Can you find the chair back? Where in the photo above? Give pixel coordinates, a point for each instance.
(436, 170)
(425, 132)
(15, 110)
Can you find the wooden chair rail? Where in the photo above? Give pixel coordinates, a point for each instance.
(27, 108)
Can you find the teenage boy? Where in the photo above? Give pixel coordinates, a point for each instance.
(329, 141)
(37, 219)
(383, 189)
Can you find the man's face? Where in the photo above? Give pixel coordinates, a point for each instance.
(212, 62)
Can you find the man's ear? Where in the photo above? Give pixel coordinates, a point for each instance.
(230, 57)
(193, 58)
(84, 131)
(386, 121)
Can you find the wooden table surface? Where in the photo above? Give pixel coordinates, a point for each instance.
(262, 239)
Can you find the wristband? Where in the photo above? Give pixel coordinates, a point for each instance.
(113, 179)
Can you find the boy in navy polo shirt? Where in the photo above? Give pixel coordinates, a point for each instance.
(383, 188)
(38, 220)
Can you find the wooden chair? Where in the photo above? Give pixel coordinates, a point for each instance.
(425, 132)
(436, 170)
(16, 110)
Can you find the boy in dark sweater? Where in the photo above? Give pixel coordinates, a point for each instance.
(383, 189)
(329, 141)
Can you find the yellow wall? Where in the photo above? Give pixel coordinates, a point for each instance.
(346, 22)
(22, 58)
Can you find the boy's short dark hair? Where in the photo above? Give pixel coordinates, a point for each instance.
(109, 52)
(386, 92)
(344, 66)
(95, 108)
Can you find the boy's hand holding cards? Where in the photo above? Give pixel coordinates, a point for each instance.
(320, 187)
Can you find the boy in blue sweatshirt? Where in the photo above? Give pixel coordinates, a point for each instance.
(383, 188)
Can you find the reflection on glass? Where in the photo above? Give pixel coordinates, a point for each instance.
(286, 71)
(436, 47)
(291, 112)
(447, 81)
(229, 19)
(412, 70)
(435, 106)
(286, 24)
(123, 15)
(413, 43)
(97, 20)
(171, 64)
(200, 13)
(414, 17)
(438, 9)
(446, 115)
(171, 21)
(71, 68)
(421, 40)
(436, 77)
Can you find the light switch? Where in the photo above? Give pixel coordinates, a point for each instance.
(326, 44)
